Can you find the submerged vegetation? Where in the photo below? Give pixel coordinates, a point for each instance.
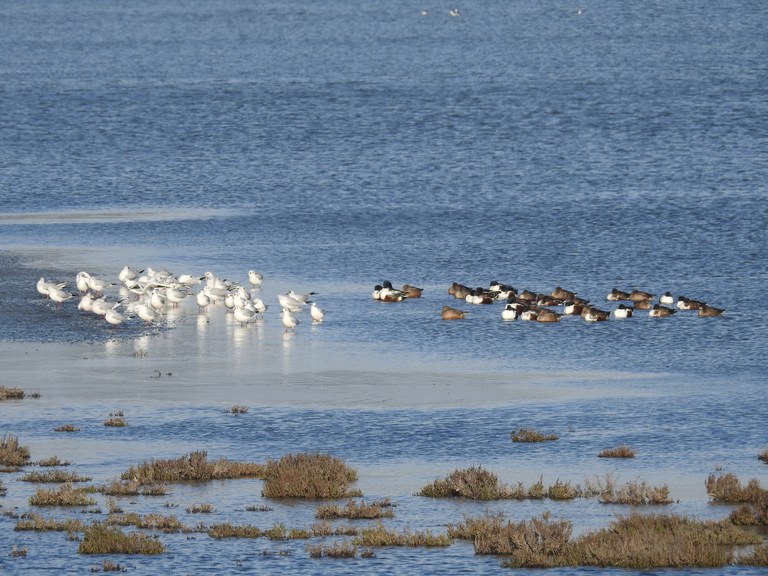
(11, 393)
(356, 510)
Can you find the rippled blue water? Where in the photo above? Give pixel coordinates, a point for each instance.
(333, 145)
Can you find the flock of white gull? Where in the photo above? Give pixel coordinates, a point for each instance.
(147, 294)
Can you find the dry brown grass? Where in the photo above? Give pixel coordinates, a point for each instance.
(53, 477)
(66, 495)
(52, 461)
(115, 422)
(309, 476)
(239, 409)
(201, 509)
(355, 510)
(279, 531)
(325, 528)
(563, 491)
(11, 393)
(763, 456)
(727, 489)
(194, 467)
(3, 489)
(220, 531)
(133, 488)
(342, 549)
(158, 522)
(621, 451)
(758, 556)
(67, 428)
(634, 541)
(378, 536)
(109, 566)
(632, 493)
(529, 435)
(475, 483)
(38, 523)
(101, 539)
(12, 453)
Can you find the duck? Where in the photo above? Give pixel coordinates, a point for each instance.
(623, 311)
(390, 294)
(667, 299)
(547, 300)
(574, 307)
(547, 315)
(636, 295)
(563, 294)
(684, 303)
(707, 311)
(616, 295)
(643, 304)
(450, 313)
(459, 291)
(659, 311)
(509, 313)
(411, 291)
(527, 295)
(592, 314)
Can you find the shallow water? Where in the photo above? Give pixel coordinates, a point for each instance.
(332, 147)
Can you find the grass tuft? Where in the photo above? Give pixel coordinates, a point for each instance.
(529, 435)
(11, 393)
(53, 477)
(66, 495)
(133, 488)
(378, 536)
(67, 428)
(52, 461)
(192, 467)
(220, 531)
(475, 483)
(621, 451)
(309, 476)
(763, 456)
(201, 509)
(355, 510)
(101, 539)
(239, 409)
(12, 453)
(342, 549)
(33, 522)
(168, 524)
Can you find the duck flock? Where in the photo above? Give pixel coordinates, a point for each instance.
(538, 307)
(148, 294)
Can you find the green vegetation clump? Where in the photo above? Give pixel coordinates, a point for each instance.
(12, 453)
(101, 539)
(309, 476)
(529, 435)
(193, 467)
